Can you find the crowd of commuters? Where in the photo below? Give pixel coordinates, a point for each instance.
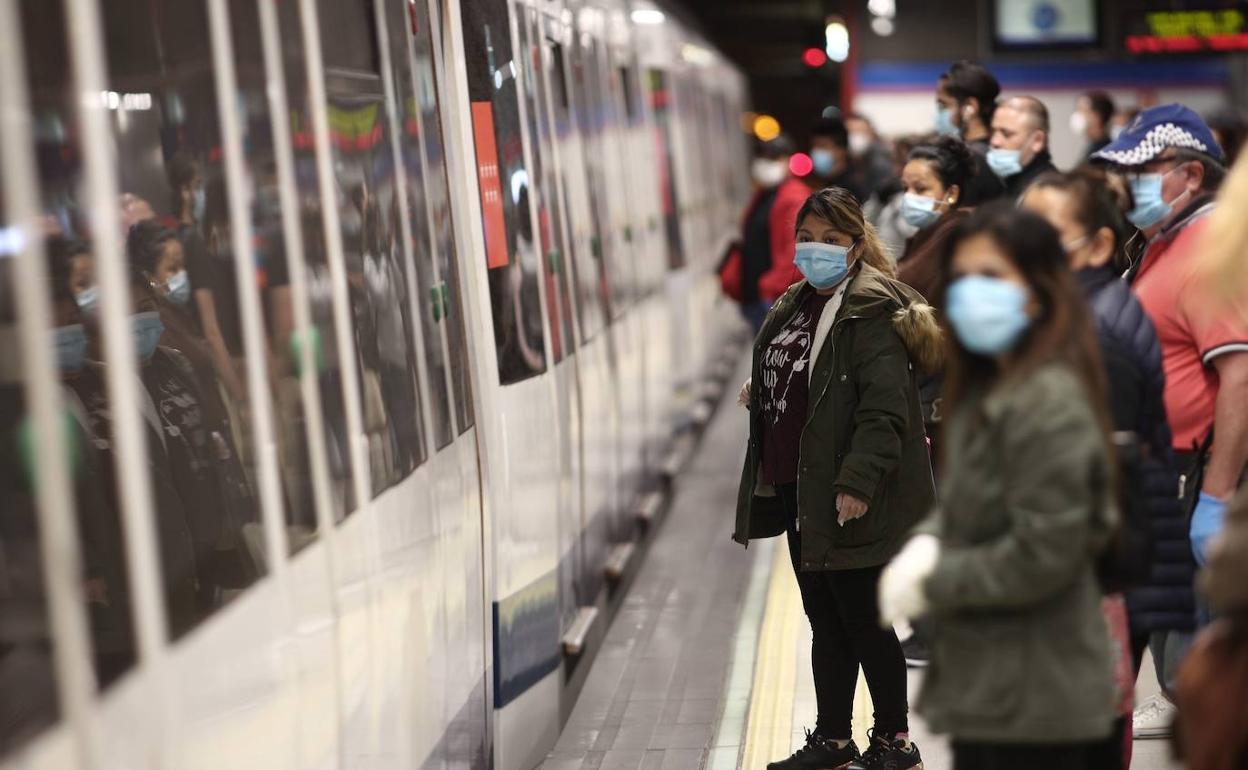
(1002, 405)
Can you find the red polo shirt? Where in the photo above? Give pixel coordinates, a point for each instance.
(1192, 326)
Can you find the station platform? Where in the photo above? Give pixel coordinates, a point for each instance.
(707, 663)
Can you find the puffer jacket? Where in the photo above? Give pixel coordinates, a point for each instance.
(864, 430)
(1132, 353)
(1020, 651)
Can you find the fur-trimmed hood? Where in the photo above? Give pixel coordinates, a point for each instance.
(917, 326)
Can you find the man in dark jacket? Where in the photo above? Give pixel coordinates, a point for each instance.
(966, 96)
(1020, 143)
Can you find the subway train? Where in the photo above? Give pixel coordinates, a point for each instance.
(348, 346)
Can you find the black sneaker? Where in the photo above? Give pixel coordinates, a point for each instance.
(916, 651)
(818, 754)
(885, 754)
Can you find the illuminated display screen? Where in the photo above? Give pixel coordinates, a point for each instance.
(1045, 23)
(1189, 31)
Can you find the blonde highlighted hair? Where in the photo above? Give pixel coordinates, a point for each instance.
(1225, 246)
(839, 208)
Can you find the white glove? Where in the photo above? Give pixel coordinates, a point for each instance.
(901, 584)
(743, 398)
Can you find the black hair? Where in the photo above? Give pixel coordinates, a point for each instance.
(950, 158)
(1094, 202)
(182, 170)
(1063, 329)
(60, 252)
(832, 128)
(780, 147)
(965, 79)
(145, 243)
(1102, 104)
(1231, 126)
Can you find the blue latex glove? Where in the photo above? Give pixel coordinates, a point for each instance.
(1206, 522)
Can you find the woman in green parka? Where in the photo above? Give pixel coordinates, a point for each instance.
(838, 461)
(1021, 673)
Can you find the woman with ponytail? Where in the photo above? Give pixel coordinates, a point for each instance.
(837, 461)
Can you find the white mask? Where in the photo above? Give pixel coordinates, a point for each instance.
(769, 173)
(859, 144)
(1078, 123)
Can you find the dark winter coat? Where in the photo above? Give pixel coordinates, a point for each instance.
(1016, 185)
(1020, 650)
(1137, 384)
(864, 431)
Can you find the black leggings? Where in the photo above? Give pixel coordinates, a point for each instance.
(845, 623)
(1021, 756)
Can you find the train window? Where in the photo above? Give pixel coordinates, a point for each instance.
(25, 692)
(315, 257)
(385, 344)
(514, 266)
(549, 211)
(660, 104)
(591, 116)
(273, 281)
(348, 44)
(196, 420)
(438, 190)
(432, 298)
(585, 286)
(28, 701)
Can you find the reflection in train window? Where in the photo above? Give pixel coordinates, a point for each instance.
(28, 700)
(660, 103)
(544, 193)
(438, 190)
(273, 281)
(432, 295)
(197, 422)
(510, 242)
(385, 344)
(316, 264)
(590, 106)
(580, 273)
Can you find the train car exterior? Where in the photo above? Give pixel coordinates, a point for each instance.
(343, 340)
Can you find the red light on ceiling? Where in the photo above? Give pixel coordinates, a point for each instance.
(814, 58)
(800, 164)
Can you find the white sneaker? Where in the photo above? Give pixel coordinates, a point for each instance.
(1154, 718)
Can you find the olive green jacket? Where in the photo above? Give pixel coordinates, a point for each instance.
(864, 429)
(1020, 650)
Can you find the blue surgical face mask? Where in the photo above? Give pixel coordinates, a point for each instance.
(147, 329)
(824, 162)
(71, 348)
(988, 315)
(1150, 207)
(823, 264)
(87, 299)
(918, 210)
(944, 122)
(1005, 163)
(179, 288)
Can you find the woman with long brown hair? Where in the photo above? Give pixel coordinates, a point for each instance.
(838, 461)
(1021, 673)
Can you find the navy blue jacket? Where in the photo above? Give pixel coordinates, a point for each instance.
(1132, 353)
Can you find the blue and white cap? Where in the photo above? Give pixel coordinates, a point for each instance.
(1158, 128)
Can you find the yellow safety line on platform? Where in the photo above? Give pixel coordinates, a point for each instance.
(769, 727)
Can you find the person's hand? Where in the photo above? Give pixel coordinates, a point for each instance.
(849, 508)
(901, 584)
(743, 398)
(1206, 522)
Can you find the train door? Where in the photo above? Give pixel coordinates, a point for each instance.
(516, 387)
(455, 477)
(551, 225)
(597, 420)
